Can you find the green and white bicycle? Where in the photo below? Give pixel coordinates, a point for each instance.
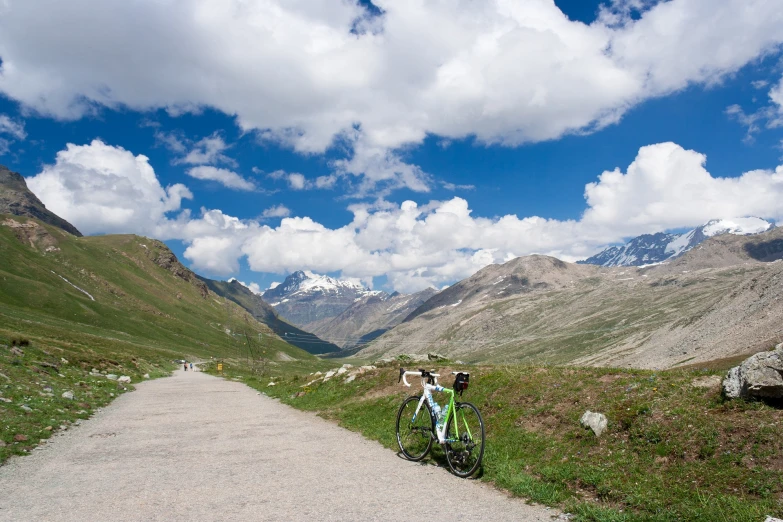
(458, 427)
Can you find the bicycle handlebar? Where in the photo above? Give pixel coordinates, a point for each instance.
(424, 374)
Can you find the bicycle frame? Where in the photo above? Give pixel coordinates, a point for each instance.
(440, 431)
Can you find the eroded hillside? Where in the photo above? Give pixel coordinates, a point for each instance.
(723, 298)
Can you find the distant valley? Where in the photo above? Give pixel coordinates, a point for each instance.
(342, 312)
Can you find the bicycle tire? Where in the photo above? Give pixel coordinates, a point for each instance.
(464, 454)
(415, 440)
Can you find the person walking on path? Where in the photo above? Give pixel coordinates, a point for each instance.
(191, 367)
(185, 366)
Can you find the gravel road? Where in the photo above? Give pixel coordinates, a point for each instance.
(196, 447)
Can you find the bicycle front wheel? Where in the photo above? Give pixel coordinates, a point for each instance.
(414, 435)
(464, 439)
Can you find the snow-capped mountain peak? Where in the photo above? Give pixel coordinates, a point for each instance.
(738, 226)
(306, 297)
(656, 248)
(323, 283)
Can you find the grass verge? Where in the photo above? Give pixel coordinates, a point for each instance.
(674, 449)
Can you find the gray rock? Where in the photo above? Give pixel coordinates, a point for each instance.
(112, 377)
(341, 371)
(3, 399)
(759, 376)
(124, 379)
(16, 352)
(329, 375)
(146, 376)
(68, 395)
(26, 408)
(350, 378)
(595, 421)
(772, 519)
(347, 366)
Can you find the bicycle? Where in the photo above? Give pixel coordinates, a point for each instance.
(416, 433)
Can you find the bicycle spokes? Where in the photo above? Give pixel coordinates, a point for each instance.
(465, 440)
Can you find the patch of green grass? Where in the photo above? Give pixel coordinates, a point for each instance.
(671, 451)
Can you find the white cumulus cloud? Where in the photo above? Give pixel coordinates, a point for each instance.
(225, 177)
(276, 211)
(313, 73)
(104, 189)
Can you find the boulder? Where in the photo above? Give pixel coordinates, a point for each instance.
(112, 377)
(146, 375)
(350, 378)
(758, 377)
(595, 421)
(341, 371)
(124, 379)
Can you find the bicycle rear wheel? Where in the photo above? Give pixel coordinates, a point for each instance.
(465, 441)
(414, 435)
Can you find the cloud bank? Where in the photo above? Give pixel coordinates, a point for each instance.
(102, 189)
(314, 73)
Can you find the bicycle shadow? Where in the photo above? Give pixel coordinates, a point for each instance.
(440, 461)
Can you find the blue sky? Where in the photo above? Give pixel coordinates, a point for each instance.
(484, 116)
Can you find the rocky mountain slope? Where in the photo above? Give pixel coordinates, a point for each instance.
(124, 293)
(305, 298)
(369, 317)
(16, 199)
(258, 308)
(722, 298)
(656, 248)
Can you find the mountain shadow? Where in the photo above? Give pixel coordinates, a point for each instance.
(264, 313)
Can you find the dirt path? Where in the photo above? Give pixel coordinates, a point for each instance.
(195, 447)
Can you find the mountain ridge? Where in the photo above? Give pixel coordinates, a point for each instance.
(18, 200)
(659, 247)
